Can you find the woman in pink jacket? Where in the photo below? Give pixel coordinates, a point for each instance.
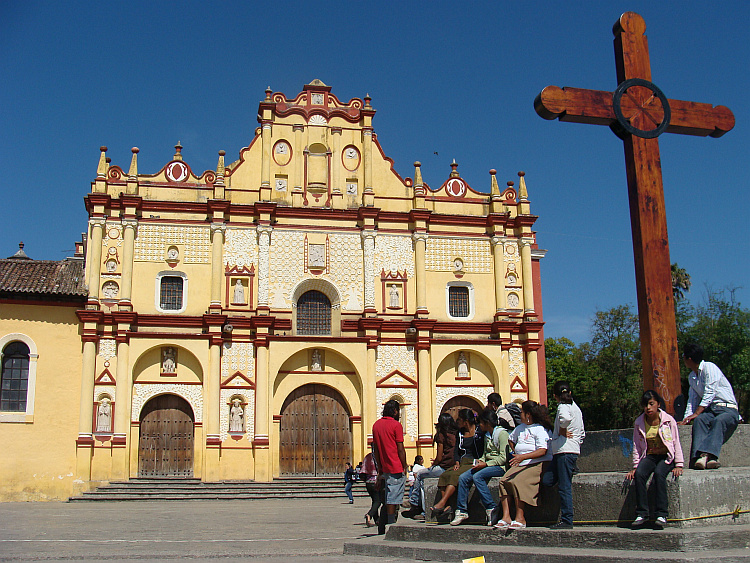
(657, 450)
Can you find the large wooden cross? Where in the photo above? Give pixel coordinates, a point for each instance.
(638, 112)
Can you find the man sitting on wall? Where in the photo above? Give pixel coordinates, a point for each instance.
(711, 407)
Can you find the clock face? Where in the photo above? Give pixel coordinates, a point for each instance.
(455, 187)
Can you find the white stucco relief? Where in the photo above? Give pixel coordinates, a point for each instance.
(476, 254)
(193, 394)
(152, 240)
(240, 247)
(443, 394)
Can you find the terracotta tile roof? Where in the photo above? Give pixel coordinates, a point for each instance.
(42, 279)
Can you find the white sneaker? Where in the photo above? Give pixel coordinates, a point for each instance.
(639, 522)
(489, 512)
(459, 517)
(700, 463)
(660, 523)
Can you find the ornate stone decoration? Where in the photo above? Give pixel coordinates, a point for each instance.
(391, 358)
(394, 254)
(142, 392)
(317, 120)
(286, 265)
(368, 246)
(152, 239)
(169, 360)
(248, 397)
(241, 247)
(110, 289)
(236, 416)
(237, 356)
(104, 415)
(264, 244)
(444, 394)
(107, 348)
(516, 364)
(513, 301)
(114, 234)
(409, 397)
(476, 254)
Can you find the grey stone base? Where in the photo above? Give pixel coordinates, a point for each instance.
(697, 498)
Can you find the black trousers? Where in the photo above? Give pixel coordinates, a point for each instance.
(656, 464)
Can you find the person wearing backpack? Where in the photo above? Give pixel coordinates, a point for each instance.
(350, 477)
(491, 464)
(508, 416)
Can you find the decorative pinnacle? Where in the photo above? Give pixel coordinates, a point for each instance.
(368, 99)
(454, 172)
(220, 168)
(133, 172)
(178, 151)
(418, 175)
(268, 93)
(523, 195)
(101, 170)
(494, 188)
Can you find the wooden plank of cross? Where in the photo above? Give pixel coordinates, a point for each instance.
(638, 112)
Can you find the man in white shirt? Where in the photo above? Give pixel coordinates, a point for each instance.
(711, 407)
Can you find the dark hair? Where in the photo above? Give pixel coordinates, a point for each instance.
(693, 351)
(446, 424)
(468, 415)
(488, 415)
(651, 394)
(539, 413)
(392, 408)
(419, 459)
(494, 398)
(562, 390)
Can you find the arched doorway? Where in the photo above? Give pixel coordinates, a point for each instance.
(455, 404)
(165, 447)
(316, 434)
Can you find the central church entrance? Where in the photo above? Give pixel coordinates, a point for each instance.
(316, 435)
(165, 447)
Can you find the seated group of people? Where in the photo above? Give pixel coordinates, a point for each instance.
(536, 451)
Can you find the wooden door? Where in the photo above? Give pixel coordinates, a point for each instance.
(457, 403)
(316, 436)
(165, 448)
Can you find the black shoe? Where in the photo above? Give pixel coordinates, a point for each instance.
(561, 526)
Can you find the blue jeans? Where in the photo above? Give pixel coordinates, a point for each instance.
(348, 490)
(561, 472)
(480, 480)
(416, 493)
(711, 429)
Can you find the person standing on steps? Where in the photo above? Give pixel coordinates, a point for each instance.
(390, 457)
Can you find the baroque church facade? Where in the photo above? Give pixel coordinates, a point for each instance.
(249, 322)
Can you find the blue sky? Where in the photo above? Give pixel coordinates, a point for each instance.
(458, 79)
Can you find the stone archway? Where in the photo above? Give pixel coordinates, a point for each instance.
(166, 442)
(455, 404)
(315, 432)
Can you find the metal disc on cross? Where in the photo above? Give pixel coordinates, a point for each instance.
(638, 112)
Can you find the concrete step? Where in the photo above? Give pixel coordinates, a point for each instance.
(601, 544)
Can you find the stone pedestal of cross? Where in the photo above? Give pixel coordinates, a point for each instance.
(638, 112)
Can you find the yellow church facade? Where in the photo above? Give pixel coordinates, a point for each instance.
(249, 322)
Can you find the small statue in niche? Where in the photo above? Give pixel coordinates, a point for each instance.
(169, 363)
(104, 416)
(463, 366)
(111, 266)
(317, 361)
(394, 302)
(110, 289)
(236, 417)
(513, 301)
(239, 293)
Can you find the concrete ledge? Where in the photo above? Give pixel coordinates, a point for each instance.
(697, 498)
(612, 450)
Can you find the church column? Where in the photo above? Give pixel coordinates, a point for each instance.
(264, 264)
(420, 246)
(532, 374)
(425, 385)
(368, 247)
(368, 194)
(124, 386)
(126, 291)
(528, 280)
(95, 266)
(217, 263)
(211, 397)
(498, 251)
(261, 441)
(369, 394)
(336, 160)
(265, 184)
(85, 442)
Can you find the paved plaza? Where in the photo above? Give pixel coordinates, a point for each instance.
(266, 530)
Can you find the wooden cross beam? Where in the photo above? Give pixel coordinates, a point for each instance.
(638, 112)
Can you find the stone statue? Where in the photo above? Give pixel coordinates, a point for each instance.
(110, 289)
(317, 361)
(104, 416)
(236, 417)
(395, 302)
(463, 366)
(239, 293)
(168, 365)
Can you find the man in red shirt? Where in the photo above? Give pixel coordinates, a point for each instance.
(390, 457)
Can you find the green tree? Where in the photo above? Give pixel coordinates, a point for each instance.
(680, 282)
